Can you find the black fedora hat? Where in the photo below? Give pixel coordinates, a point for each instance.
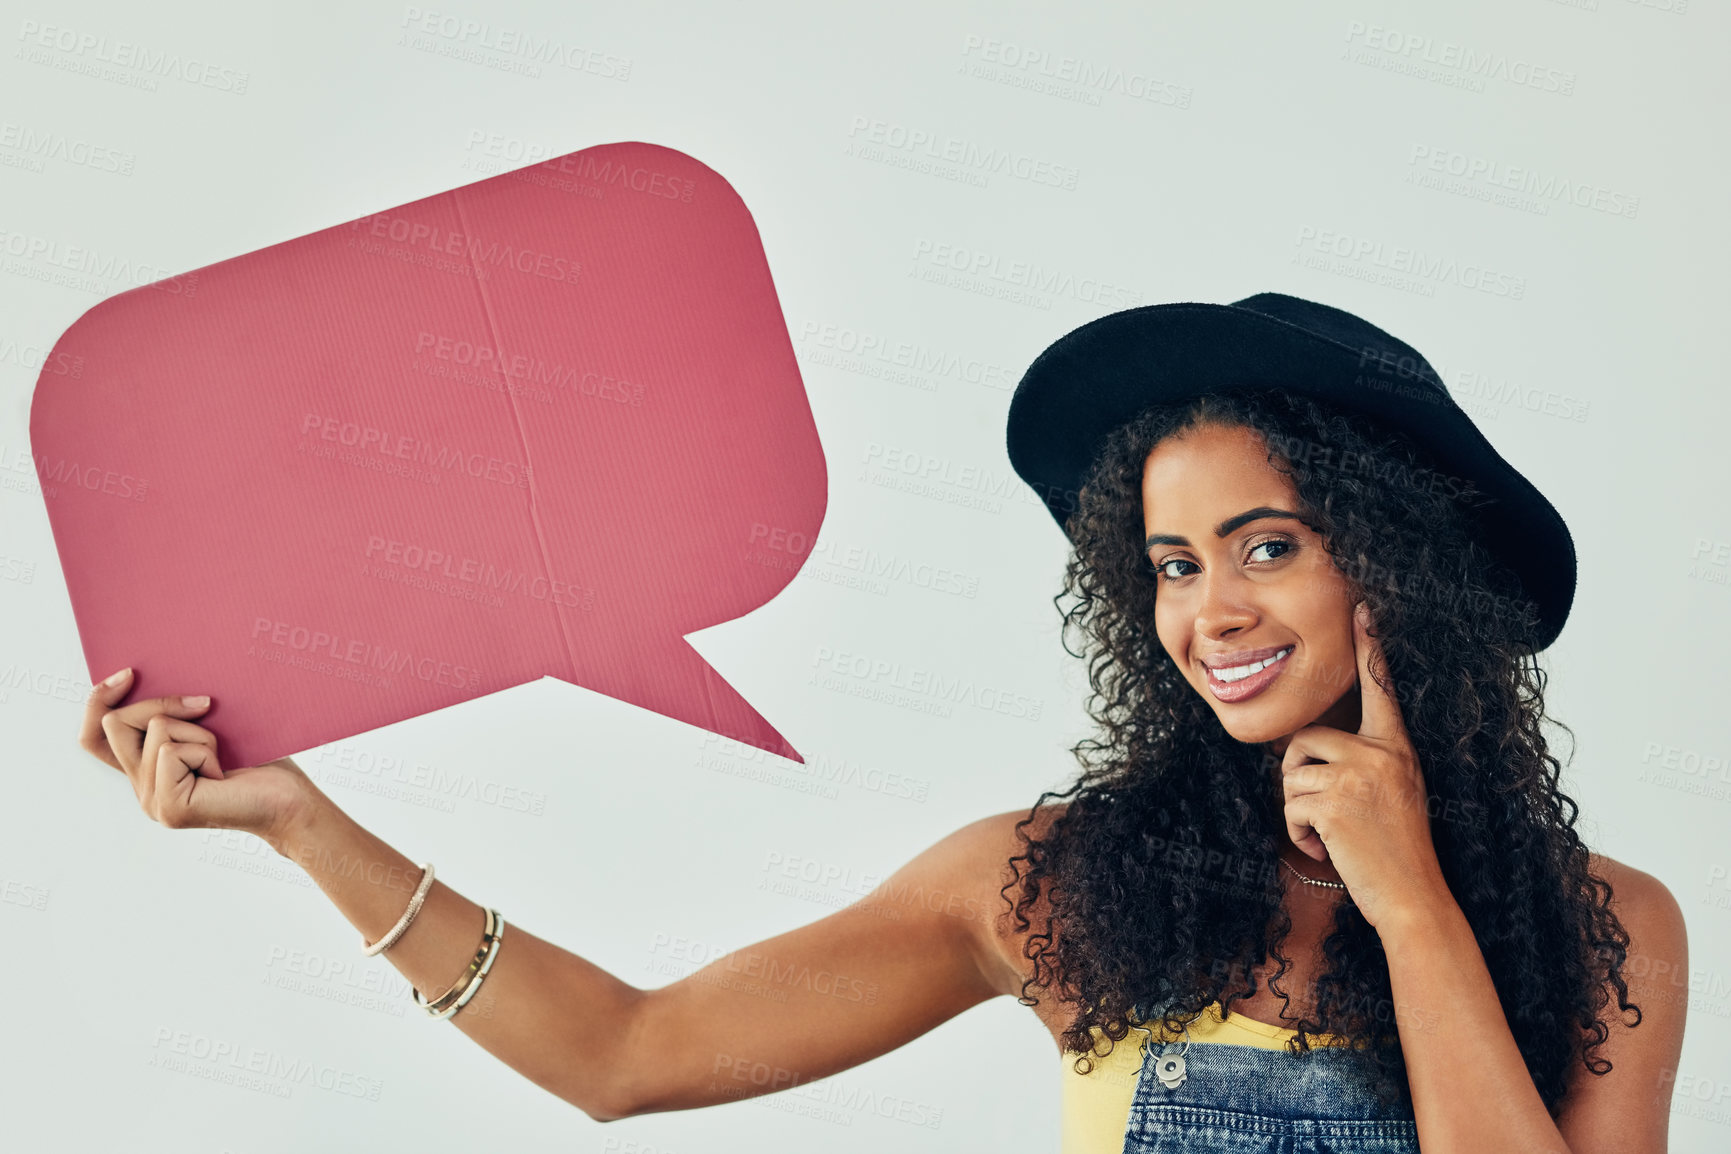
(1096, 377)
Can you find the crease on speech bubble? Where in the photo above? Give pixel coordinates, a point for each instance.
(728, 712)
(510, 396)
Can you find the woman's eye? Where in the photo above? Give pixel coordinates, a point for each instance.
(1164, 568)
(1282, 546)
(1166, 571)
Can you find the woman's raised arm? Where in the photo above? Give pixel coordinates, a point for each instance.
(925, 945)
(802, 1005)
(915, 952)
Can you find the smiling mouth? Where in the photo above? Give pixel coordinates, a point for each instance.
(1240, 672)
(1241, 682)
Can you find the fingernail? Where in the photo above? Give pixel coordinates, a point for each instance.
(115, 678)
(198, 702)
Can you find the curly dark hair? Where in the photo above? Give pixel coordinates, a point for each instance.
(1135, 926)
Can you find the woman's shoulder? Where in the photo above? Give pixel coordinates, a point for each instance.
(1643, 903)
(989, 835)
(1628, 883)
(992, 844)
(1649, 914)
(1656, 973)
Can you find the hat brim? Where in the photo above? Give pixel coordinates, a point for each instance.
(1104, 373)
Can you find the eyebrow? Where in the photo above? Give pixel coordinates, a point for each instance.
(1230, 525)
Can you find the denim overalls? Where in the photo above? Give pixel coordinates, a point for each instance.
(1219, 1098)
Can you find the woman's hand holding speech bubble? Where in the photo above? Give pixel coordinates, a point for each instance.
(173, 766)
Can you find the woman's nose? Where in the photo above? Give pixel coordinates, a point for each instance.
(1227, 605)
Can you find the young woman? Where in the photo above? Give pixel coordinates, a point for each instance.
(1316, 887)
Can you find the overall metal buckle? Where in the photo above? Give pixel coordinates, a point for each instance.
(1169, 1066)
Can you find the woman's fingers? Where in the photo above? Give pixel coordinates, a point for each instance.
(121, 753)
(189, 791)
(115, 733)
(188, 733)
(104, 695)
(125, 727)
(1302, 833)
(175, 780)
(173, 764)
(169, 740)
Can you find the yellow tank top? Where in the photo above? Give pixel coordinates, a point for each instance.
(1095, 1107)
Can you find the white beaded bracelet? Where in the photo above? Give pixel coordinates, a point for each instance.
(420, 896)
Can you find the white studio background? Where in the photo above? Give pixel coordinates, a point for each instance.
(1228, 149)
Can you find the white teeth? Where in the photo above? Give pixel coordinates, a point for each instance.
(1240, 672)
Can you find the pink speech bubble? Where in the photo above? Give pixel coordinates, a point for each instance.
(541, 425)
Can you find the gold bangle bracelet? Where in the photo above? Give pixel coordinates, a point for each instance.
(444, 1005)
(443, 1002)
(474, 986)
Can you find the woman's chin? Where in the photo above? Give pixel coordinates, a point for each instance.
(1259, 728)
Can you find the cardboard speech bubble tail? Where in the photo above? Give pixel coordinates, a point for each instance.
(670, 677)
